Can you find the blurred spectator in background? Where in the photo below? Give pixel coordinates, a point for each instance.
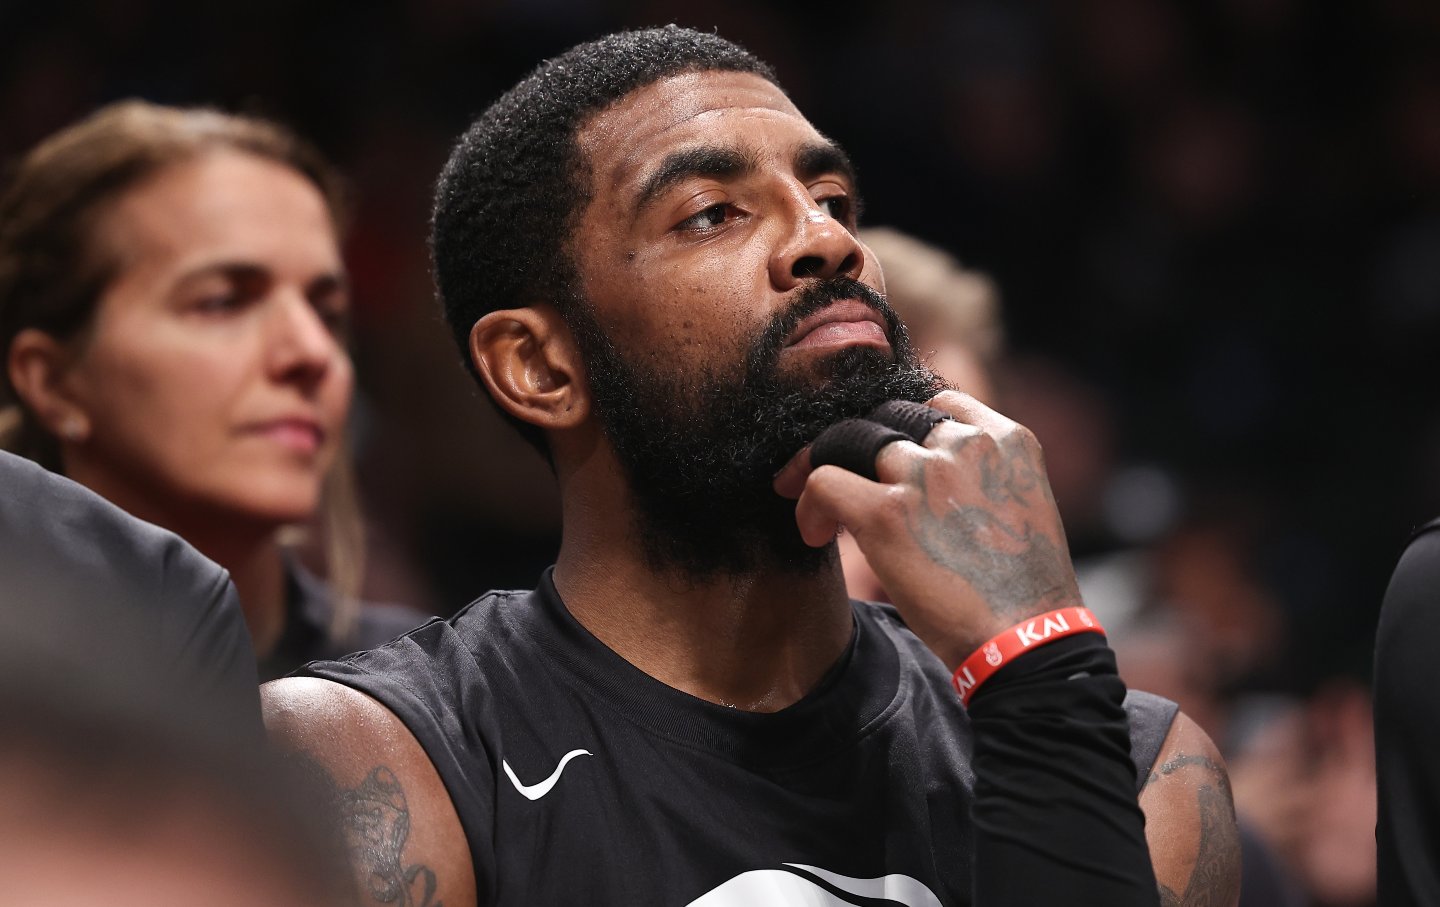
(952, 312)
(172, 315)
(953, 315)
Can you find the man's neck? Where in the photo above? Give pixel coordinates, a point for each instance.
(758, 642)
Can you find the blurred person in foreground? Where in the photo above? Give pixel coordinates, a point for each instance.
(85, 584)
(1407, 727)
(649, 257)
(113, 792)
(172, 318)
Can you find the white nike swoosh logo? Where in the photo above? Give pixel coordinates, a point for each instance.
(536, 791)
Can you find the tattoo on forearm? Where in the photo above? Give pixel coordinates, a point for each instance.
(374, 819)
(1014, 568)
(1215, 878)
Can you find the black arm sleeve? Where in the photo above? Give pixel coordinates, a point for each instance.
(1407, 727)
(1056, 817)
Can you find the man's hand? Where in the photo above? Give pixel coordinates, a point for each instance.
(962, 531)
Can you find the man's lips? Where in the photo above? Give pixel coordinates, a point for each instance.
(840, 323)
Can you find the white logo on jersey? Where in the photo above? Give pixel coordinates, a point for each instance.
(536, 791)
(781, 888)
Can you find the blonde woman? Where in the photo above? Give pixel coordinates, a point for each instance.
(172, 312)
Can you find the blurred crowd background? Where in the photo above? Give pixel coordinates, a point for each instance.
(1215, 230)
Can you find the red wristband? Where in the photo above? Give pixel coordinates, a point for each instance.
(1017, 640)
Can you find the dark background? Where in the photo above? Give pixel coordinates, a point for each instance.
(1215, 225)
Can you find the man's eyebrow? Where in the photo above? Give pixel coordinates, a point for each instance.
(819, 158)
(706, 160)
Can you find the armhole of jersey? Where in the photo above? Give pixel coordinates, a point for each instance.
(1150, 719)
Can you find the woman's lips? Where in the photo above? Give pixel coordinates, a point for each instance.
(300, 435)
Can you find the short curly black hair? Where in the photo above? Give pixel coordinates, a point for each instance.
(508, 198)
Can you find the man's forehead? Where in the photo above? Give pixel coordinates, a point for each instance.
(715, 107)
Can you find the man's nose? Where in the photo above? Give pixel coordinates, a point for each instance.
(816, 245)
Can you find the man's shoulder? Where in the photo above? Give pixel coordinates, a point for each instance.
(886, 619)
(1411, 593)
(494, 620)
(1410, 612)
(98, 588)
(1405, 637)
(387, 795)
(427, 674)
(63, 533)
(1151, 717)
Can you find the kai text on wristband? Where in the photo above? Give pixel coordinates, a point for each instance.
(1019, 639)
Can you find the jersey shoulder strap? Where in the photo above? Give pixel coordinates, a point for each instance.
(1150, 720)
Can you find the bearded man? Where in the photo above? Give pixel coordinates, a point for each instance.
(649, 258)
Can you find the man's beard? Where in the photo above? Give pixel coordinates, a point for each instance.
(701, 450)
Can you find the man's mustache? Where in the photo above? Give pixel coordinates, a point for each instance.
(813, 298)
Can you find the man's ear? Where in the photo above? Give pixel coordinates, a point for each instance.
(530, 365)
(37, 366)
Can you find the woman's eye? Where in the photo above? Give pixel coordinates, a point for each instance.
(335, 317)
(708, 219)
(218, 302)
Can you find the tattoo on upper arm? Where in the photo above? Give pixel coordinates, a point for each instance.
(1215, 878)
(1186, 760)
(374, 819)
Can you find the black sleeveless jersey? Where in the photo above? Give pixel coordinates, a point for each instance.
(580, 779)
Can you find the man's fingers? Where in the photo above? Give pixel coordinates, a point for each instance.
(915, 420)
(831, 497)
(965, 408)
(790, 480)
(851, 444)
(834, 497)
(857, 445)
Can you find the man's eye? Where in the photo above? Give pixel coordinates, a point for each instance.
(708, 219)
(837, 206)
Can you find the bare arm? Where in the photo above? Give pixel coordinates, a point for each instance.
(1190, 821)
(403, 836)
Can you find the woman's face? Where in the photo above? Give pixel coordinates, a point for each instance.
(213, 379)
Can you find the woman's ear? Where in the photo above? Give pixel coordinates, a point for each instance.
(530, 366)
(36, 366)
